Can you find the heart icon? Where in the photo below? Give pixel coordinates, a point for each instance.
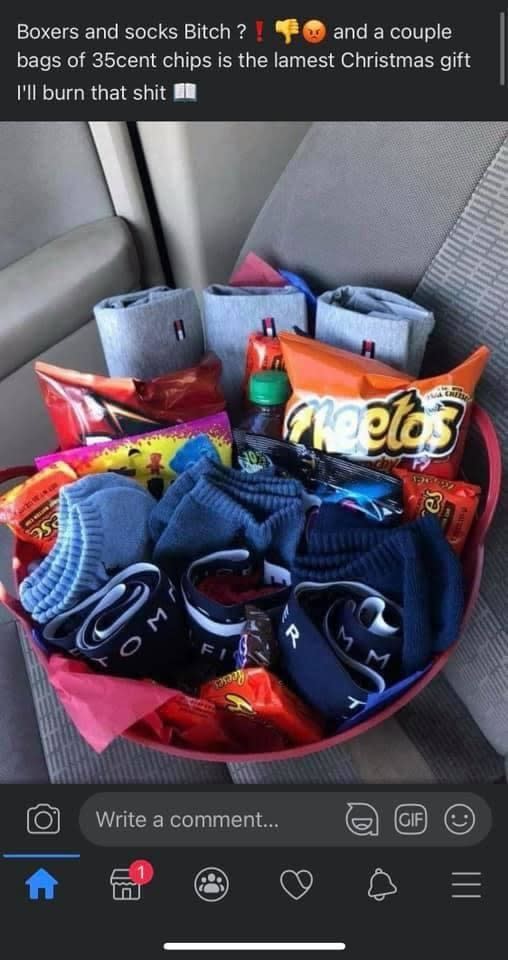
(296, 883)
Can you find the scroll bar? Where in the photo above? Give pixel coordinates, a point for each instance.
(217, 947)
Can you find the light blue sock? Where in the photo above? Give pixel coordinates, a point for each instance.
(106, 527)
(68, 497)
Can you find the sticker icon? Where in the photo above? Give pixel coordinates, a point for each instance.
(460, 819)
(296, 883)
(362, 819)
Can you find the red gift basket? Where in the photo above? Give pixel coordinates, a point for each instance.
(140, 700)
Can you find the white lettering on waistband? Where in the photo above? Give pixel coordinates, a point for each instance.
(153, 621)
(131, 646)
(293, 633)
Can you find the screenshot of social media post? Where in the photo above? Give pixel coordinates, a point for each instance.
(253, 513)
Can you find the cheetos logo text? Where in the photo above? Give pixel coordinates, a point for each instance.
(406, 423)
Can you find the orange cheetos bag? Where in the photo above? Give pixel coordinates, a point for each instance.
(365, 410)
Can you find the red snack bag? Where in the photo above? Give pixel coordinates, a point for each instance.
(453, 502)
(87, 409)
(365, 410)
(263, 353)
(204, 726)
(184, 712)
(31, 509)
(257, 692)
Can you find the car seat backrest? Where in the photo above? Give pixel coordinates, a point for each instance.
(50, 182)
(371, 203)
(62, 249)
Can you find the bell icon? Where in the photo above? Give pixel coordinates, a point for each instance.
(381, 885)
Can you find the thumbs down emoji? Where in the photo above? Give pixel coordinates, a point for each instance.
(288, 28)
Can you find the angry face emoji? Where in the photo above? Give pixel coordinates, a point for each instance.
(314, 31)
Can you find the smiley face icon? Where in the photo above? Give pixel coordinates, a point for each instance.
(460, 819)
(314, 31)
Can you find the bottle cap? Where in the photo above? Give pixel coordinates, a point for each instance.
(269, 388)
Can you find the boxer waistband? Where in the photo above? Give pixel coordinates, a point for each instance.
(133, 626)
(340, 646)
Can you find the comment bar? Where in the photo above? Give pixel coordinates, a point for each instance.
(282, 819)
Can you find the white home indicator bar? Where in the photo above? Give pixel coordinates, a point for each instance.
(217, 947)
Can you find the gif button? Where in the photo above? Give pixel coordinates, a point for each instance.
(411, 819)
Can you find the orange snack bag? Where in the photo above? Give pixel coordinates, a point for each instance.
(365, 410)
(31, 509)
(453, 502)
(256, 692)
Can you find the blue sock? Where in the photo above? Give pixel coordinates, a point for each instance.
(265, 513)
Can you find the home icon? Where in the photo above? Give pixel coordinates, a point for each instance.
(41, 886)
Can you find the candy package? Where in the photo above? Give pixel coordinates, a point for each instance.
(365, 410)
(87, 409)
(329, 477)
(257, 692)
(31, 508)
(257, 646)
(203, 725)
(453, 502)
(153, 459)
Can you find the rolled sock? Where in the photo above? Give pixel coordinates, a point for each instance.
(106, 527)
(151, 332)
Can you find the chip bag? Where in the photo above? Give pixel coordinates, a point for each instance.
(87, 409)
(256, 692)
(31, 509)
(365, 410)
(453, 502)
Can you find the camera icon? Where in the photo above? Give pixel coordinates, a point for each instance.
(43, 820)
